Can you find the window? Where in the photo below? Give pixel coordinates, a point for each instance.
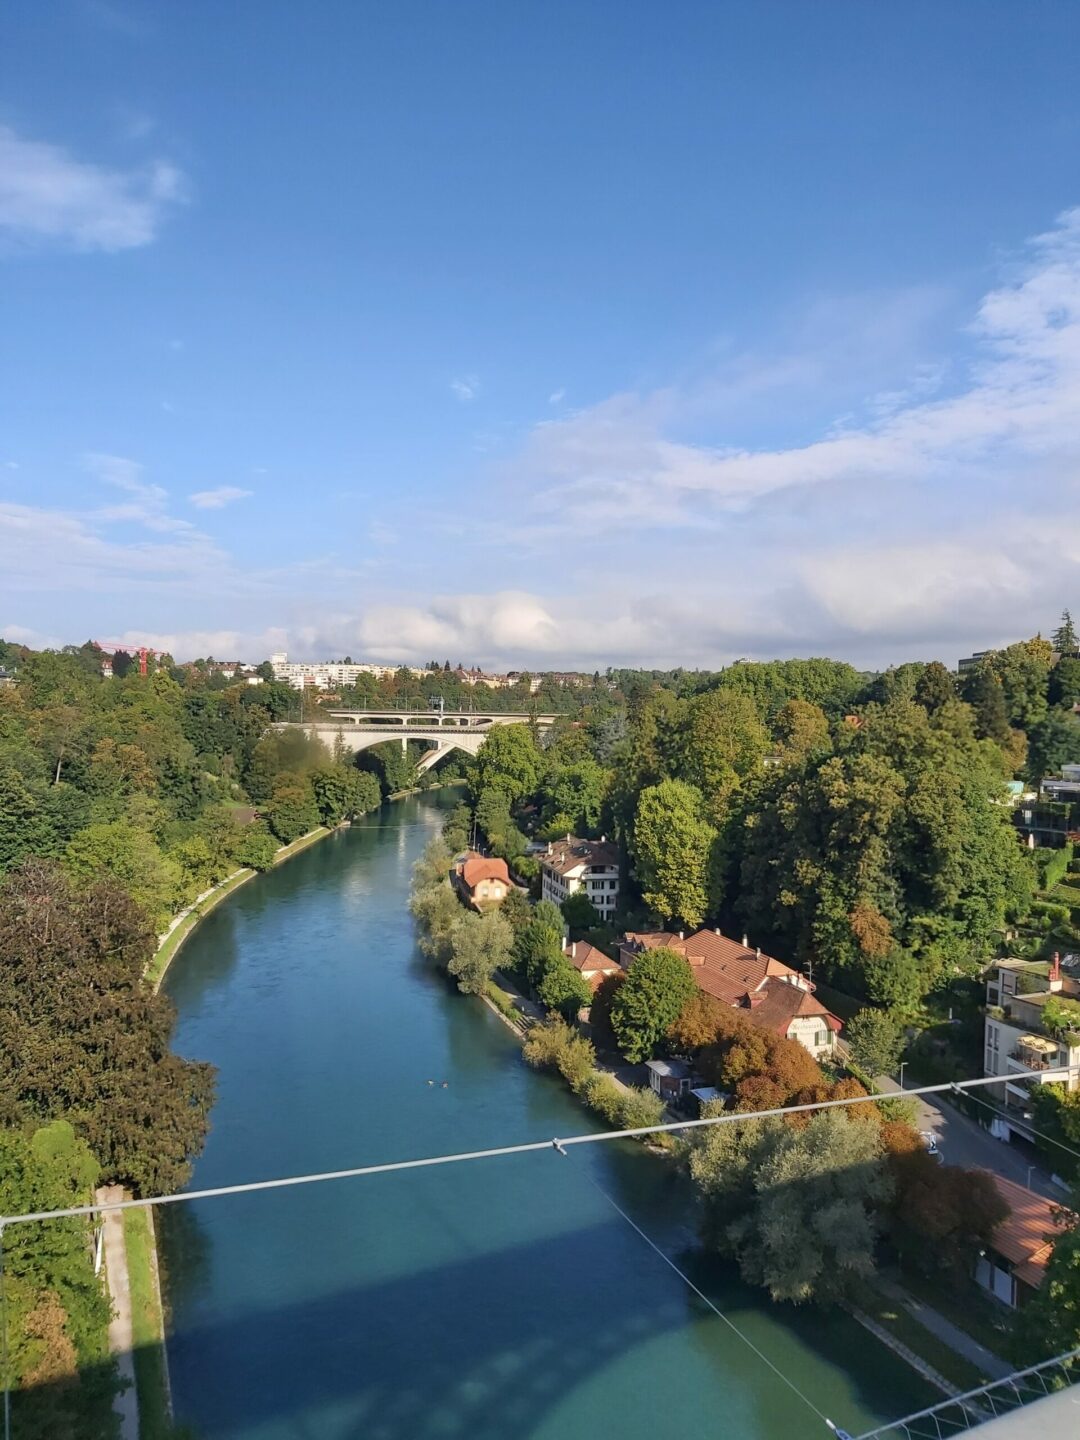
(821, 1039)
(993, 995)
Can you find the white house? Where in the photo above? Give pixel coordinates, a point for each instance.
(572, 865)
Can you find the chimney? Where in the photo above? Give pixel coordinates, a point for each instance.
(745, 941)
(759, 952)
(573, 951)
(603, 839)
(717, 929)
(1055, 972)
(681, 935)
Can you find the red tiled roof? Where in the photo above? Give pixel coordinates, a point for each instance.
(784, 1003)
(733, 973)
(1026, 1236)
(478, 868)
(584, 956)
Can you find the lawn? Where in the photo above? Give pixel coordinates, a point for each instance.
(903, 1326)
(151, 1382)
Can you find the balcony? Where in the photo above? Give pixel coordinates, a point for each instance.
(1035, 1053)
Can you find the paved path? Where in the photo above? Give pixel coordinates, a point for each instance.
(985, 1361)
(126, 1403)
(963, 1141)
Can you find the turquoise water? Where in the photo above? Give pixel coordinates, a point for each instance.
(500, 1298)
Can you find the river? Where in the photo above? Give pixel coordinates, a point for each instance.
(489, 1300)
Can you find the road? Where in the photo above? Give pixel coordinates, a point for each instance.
(964, 1142)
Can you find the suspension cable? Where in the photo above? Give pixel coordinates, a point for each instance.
(705, 1298)
(640, 1132)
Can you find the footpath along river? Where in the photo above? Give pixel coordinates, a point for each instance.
(490, 1300)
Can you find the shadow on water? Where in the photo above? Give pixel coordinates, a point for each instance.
(492, 1347)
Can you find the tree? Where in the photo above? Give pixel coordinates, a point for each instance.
(983, 691)
(1064, 638)
(574, 794)
(796, 1206)
(1024, 672)
(131, 857)
(538, 942)
(579, 912)
(82, 1037)
(508, 760)
(256, 848)
(56, 1312)
(653, 996)
(941, 1215)
(480, 944)
(935, 687)
(699, 1023)
(876, 1040)
(292, 811)
(672, 842)
(722, 742)
(1065, 682)
(1052, 743)
(800, 727)
(561, 987)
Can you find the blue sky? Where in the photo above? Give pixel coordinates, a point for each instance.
(540, 334)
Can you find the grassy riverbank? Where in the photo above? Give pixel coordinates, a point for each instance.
(147, 1328)
(155, 971)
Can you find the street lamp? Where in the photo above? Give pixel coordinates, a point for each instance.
(903, 1063)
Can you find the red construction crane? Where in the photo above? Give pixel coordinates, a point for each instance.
(110, 647)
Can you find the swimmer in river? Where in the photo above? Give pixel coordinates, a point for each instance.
(431, 1082)
(445, 1083)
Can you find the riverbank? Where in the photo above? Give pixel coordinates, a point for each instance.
(884, 1310)
(185, 922)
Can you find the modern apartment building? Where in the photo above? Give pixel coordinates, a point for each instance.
(1028, 1038)
(328, 674)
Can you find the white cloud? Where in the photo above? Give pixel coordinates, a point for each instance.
(620, 463)
(219, 498)
(46, 195)
(556, 397)
(465, 387)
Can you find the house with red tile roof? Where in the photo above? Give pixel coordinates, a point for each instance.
(1014, 1265)
(593, 964)
(773, 995)
(481, 880)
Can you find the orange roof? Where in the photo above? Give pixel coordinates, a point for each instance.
(783, 1003)
(734, 973)
(728, 970)
(584, 956)
(478, 868)
(1026, 1236)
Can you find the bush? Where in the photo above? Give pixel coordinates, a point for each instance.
(554, 1045)
(601, 1094)
(639, 1107)
(1052, 865)
(256, 848)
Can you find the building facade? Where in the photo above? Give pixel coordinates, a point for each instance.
(591, 866)
(1018, 1042)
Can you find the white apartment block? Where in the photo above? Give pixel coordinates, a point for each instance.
(1018, 1046)
(570, 865)
(328, 674)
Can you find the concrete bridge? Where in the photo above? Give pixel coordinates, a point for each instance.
(455, 730)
